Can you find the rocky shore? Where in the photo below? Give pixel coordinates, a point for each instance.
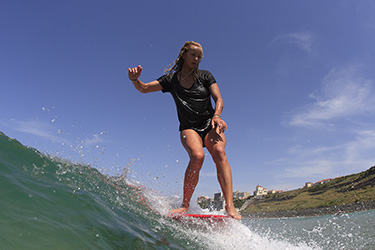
(347, 208)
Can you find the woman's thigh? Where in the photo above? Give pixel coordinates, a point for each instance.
(192, 142)
(214, 141)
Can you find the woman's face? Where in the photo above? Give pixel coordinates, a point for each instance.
(192, 57)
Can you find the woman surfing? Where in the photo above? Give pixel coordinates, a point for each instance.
(200, 124)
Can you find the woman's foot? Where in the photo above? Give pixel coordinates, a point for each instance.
(232, 212)
(181, 210)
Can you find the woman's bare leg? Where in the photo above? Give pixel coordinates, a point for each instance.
(193, 144)
(215, 144)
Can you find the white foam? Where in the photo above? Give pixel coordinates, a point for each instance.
(230, 234)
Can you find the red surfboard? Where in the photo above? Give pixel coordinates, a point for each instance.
(210, 217)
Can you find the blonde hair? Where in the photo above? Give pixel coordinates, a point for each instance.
(177, 65)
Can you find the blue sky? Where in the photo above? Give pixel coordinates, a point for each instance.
(297, 78)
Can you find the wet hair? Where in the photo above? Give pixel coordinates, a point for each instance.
(176, 66)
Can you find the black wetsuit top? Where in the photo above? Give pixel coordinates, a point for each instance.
(193, 105)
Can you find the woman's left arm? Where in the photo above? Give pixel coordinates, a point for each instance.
(217, 122)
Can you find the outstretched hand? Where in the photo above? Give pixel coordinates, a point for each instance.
(135, 73)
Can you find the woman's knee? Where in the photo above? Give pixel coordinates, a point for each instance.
(197, 156)
(218, 154)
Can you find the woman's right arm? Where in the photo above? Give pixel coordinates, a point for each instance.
(135, 73)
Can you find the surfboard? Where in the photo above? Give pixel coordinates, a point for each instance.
(209, 217)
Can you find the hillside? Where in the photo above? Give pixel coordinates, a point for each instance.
(344, 194)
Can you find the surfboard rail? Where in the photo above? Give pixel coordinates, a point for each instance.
(211, 217)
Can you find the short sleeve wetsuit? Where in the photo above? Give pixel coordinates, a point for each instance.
(194, 107)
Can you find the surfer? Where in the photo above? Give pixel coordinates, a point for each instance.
(200, 124)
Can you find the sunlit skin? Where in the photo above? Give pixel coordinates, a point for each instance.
(214, 141)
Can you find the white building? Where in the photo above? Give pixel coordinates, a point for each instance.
(260, 191)
(308, 184)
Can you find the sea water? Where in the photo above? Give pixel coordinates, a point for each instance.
(49, 203)
(341, 231)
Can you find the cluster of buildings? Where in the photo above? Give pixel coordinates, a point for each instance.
(311, 184)
(261, 191)
(218, 202)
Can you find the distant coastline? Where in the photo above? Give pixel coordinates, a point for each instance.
(346, 194)
(310, 212)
